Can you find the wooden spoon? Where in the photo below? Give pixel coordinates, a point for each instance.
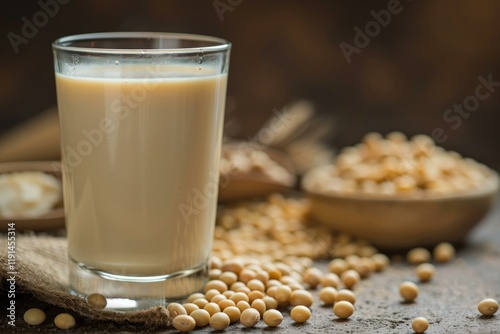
(254, 184)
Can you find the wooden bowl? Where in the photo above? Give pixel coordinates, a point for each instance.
(49, 221)
(404, 222)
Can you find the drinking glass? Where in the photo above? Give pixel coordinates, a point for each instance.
(141, 126)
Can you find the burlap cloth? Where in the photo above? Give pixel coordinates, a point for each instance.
(41, 266)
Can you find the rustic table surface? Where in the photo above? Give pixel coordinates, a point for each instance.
(449, 301)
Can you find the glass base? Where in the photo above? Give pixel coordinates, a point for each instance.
(128, 293)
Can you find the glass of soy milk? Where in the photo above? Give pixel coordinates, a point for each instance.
(141, 126)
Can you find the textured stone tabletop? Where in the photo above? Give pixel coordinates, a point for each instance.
(449, 301)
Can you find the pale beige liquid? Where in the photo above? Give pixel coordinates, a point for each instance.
(143, 201)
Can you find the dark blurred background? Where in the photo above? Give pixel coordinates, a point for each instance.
(427, 58)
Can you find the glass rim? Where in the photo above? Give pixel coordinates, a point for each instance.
(220, 43)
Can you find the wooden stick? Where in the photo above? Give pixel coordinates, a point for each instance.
(36, 139)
